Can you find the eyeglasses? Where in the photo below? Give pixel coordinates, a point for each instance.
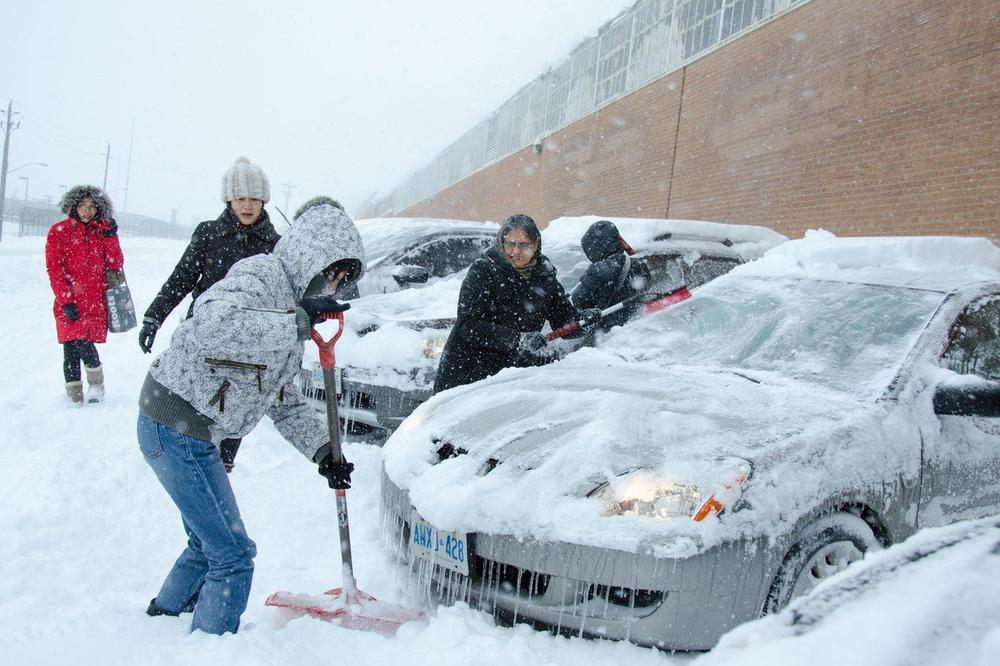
(523, 247)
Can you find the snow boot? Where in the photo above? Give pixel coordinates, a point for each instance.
(95, 384)
(75, 392)
(154, 611)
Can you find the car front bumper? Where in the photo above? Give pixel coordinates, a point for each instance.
(374, 406)
(672, 604)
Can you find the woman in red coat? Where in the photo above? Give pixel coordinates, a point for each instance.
(78, 251)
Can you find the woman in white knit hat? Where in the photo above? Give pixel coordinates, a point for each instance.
(242, 230)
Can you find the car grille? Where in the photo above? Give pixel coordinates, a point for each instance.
(355, 399)
(508, 577)
(358, 399)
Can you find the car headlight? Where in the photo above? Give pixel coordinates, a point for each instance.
(433, 346)
(649, 493)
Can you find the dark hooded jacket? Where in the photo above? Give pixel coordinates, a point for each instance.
(612, 277)
(495, 306)
(215, 246)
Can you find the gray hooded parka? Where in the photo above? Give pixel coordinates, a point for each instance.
(236, 358)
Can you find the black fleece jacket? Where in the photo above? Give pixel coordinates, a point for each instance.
(215, 246)
(495, 306)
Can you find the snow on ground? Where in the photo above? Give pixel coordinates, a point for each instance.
(88, 533)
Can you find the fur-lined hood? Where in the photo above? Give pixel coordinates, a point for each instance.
(73, 196)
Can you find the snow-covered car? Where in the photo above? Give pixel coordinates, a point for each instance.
(708, 463)
(393, 341)
(413, 252)
(933, 599)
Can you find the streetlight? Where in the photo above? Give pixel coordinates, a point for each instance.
(25, 179)
(3, 185)
(27, 165)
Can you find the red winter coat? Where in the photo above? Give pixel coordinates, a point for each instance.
(76, 256)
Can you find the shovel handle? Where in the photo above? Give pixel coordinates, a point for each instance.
(327, 359)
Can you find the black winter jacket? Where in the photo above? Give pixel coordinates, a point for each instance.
(603, 283)
(215, 246)
(495, 306)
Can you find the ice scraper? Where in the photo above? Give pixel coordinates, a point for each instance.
(658, 303)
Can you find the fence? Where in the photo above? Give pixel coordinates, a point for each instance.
(34, 218)
(652, 38)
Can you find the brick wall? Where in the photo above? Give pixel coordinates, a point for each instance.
(854, 116)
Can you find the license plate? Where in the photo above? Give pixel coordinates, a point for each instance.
(446, 549)
(318, 381)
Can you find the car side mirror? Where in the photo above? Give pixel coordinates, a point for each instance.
(407, 274)
(978, 399)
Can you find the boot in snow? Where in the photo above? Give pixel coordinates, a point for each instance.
(75, 392)
(95, 383)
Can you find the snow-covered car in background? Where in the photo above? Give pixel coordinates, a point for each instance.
(708, 463)
(413, 252)
(393, 341)
(933, 599)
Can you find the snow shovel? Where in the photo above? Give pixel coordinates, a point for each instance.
(347, 606)
(655, 305)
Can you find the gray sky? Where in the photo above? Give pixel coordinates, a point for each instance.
(338, 97)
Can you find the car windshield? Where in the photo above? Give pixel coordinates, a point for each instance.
(388, 240)
(844, 336)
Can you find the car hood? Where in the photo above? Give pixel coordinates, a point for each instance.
(530, 444)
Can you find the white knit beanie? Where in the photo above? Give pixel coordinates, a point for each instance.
(245, 180)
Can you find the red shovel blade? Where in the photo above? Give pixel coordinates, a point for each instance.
(359, 611)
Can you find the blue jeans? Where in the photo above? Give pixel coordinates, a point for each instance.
(216, 568)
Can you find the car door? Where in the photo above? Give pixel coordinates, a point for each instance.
(961, 461)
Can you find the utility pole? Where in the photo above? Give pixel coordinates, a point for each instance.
(128, 169)
(288, 193)
(107, 159)
(8, 127)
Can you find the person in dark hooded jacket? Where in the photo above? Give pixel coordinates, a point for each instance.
(78, 252)
(232, 362)
(612, 276)
(508, 294)
(242, 230)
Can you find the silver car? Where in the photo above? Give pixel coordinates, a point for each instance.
(706, 464)
(379, 390)
(403, 253)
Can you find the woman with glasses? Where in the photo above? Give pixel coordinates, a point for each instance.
(508, 294)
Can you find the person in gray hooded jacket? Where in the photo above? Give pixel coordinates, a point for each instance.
(228, 365)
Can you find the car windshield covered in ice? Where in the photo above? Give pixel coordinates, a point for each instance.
(839, 335)
(394, 341)
(414, 252)
(708, 463)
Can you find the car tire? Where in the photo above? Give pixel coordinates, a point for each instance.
(824, 548)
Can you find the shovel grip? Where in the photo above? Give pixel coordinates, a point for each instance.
(327, 358)
(563, 331)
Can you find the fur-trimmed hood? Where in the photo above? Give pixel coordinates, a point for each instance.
(76, 194)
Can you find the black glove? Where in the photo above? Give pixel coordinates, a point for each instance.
(531, 342)
(112, 229)
(316, 306)
(227, 451)
(590, 317)
(338, 474)
(71, 311)
(146, 336)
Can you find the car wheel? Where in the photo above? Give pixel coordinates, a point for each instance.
(824, 548)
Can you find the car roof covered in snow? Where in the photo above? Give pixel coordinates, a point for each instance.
(935, 263)
(382, 235)
(745, 241)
